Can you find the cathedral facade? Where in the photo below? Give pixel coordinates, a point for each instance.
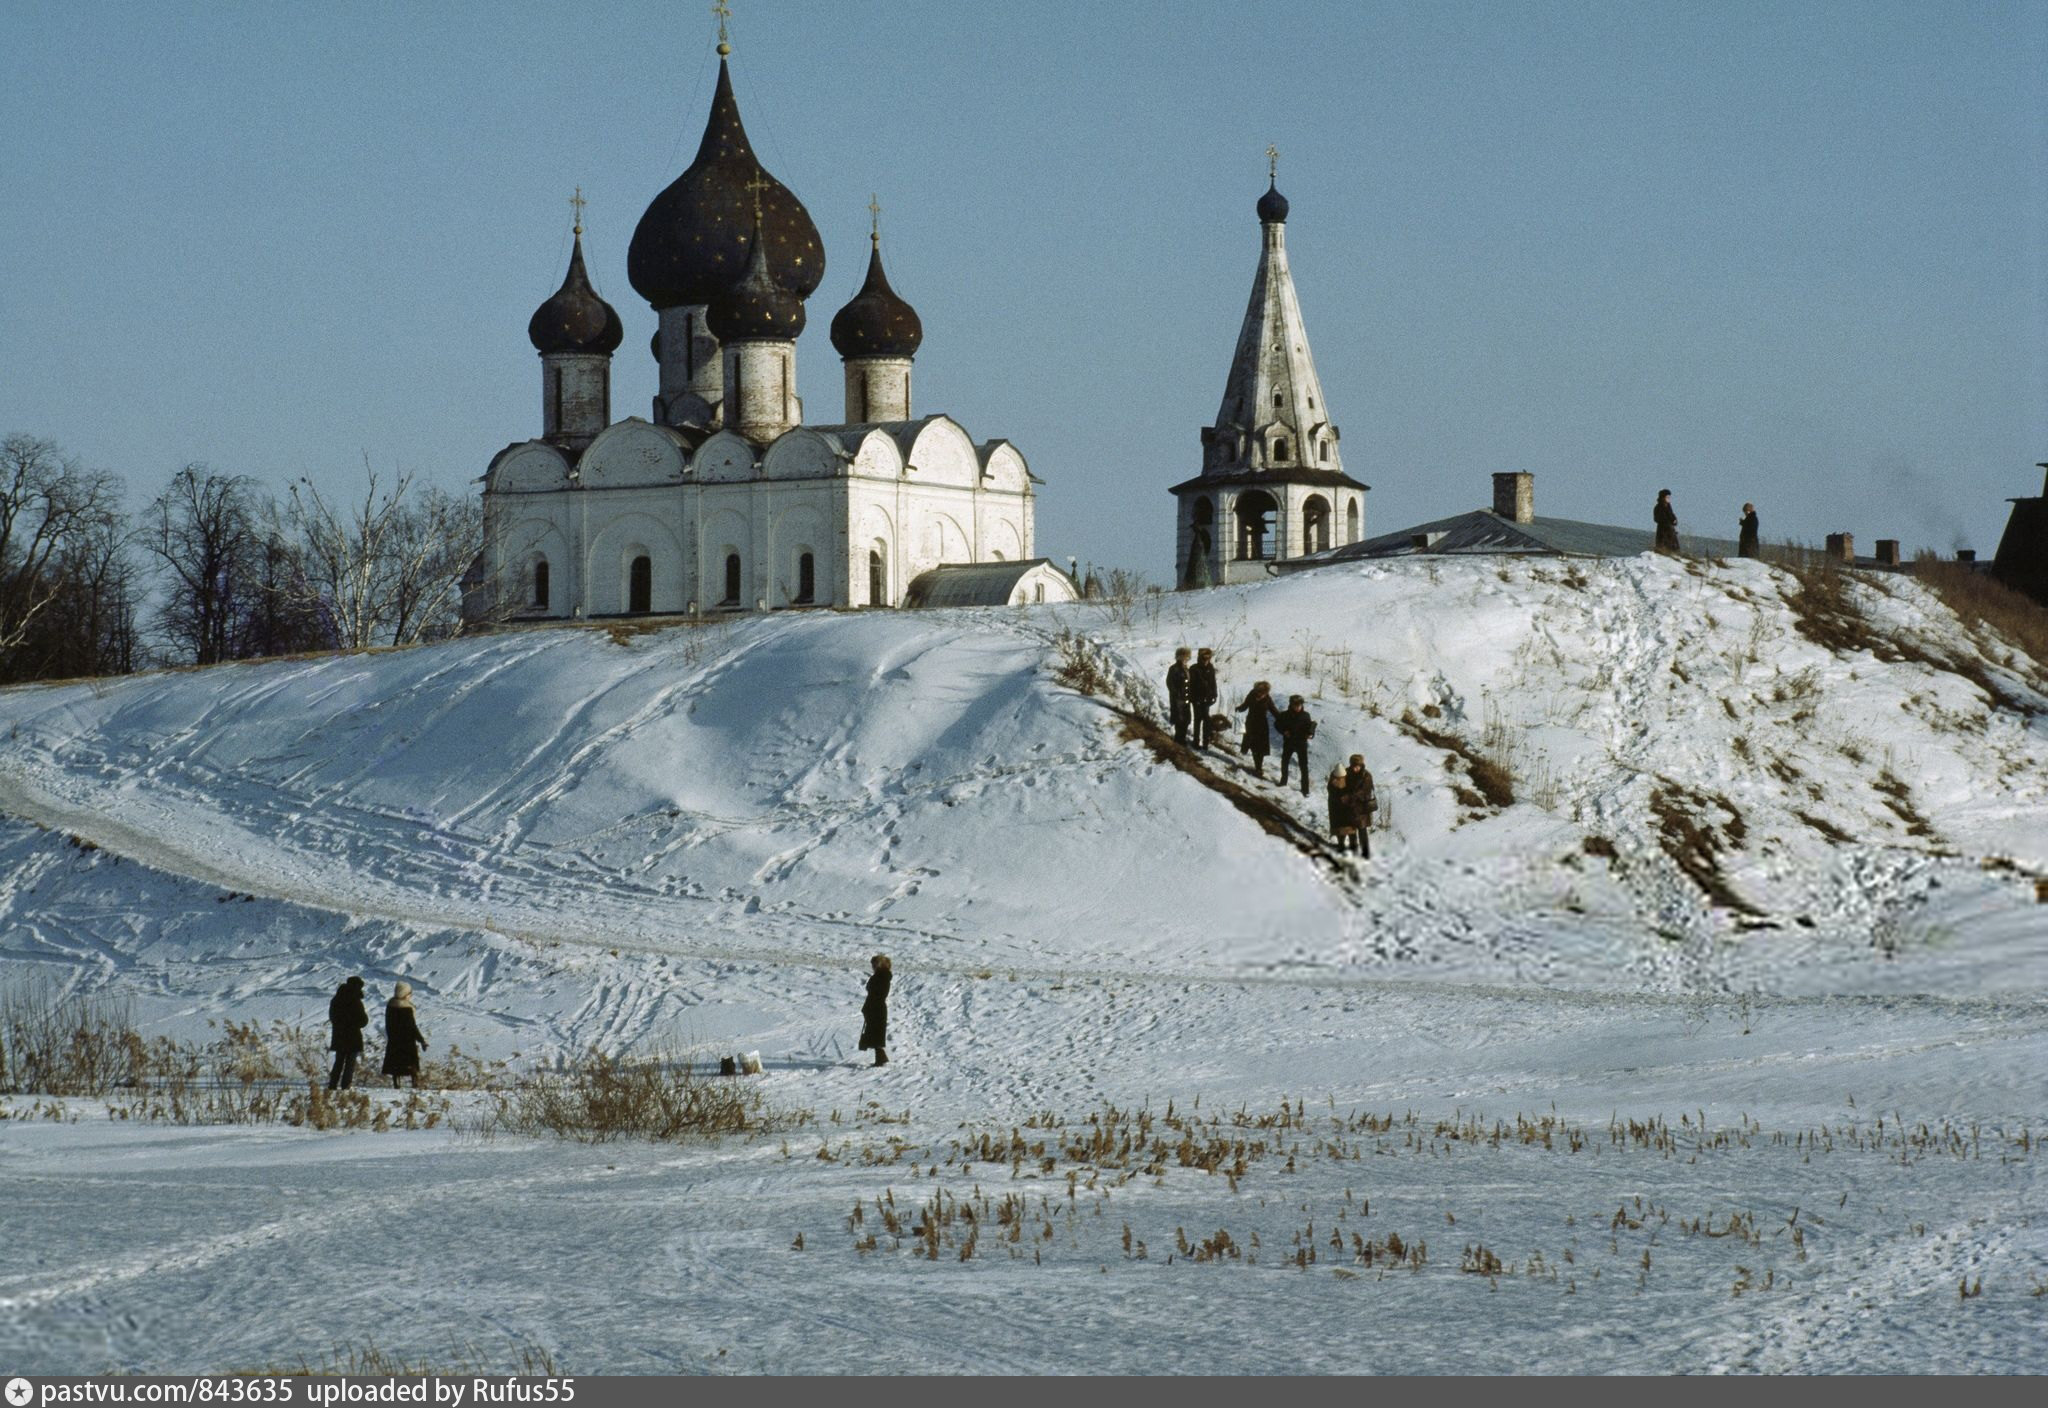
(1272, 485)
(725, 499)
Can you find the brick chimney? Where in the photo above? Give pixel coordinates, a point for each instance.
(1514, 496)
(1842, 546)
(1966, 554)
(1888, 551)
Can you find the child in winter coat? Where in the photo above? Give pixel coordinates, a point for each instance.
(1343, 825)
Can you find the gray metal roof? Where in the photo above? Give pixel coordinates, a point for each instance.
(970, 583)
(1482, 531)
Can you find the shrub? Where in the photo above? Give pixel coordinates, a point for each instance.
(600, 1097)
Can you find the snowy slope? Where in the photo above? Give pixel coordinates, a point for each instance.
(1819, 904)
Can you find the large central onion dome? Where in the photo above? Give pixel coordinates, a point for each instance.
(692, 242)
(1272, 206)
(877, 323)
(757, 308)
(575, 319)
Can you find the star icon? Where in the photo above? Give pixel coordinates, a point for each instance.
(19, 1392)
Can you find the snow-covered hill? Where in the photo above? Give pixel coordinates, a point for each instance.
(1742, 872)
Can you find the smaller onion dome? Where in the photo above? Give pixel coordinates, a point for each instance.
(877, 322)
(575, 319)
(1272, 206)
(756, 309)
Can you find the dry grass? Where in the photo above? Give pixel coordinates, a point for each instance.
(2000, 619)
(600, 1097)
(1687, 831)
(1493, 782)
(1826, 611)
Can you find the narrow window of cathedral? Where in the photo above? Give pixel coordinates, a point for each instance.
(878, 580)
(1325, 447)
(1276, 401)
(1351, 522)
(540, 585)
(806, 580)
(1041, 591)
(554, 398)
(1280, 452)
(732, 579)
(640, 587)
(1205, 513)
(865, 400)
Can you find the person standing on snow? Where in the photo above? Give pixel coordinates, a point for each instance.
(1358, 794)
(874, 1013)
(1343, 826)
(1296, 729)
(1202, 694)
(1257, 709)
(347, 1016)
(403, 1042)
(1667, 523)
(1751, 542)
(1177, 695)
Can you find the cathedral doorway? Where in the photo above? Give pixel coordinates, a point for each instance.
(732, 579)
(1315, 524)
(1255, 513)
(878, 579)
(640, 586)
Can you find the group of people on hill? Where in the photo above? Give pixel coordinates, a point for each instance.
(1191, 695)
(347, 1016)
(1748, 542)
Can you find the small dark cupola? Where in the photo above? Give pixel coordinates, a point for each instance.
(756, 308)
(1272, 206)
(877, 322)
(694, 240)
(575, 319)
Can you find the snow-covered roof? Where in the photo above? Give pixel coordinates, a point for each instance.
(1483, 531)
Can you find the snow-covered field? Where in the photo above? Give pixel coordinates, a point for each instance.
(1758, 913)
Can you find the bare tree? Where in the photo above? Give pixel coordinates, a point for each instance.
(203, 530)
(48, 503)
(389, 564)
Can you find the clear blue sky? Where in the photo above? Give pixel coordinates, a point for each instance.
(1787, 252)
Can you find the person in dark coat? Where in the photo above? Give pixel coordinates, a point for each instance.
(347, 1016)
(1667, 523)
(1750, 543)
(874, 1013)
(1343, 825)
(1358, 792)
(1257, 709)
(1296, 729)
(403, 1042)
(1177, 694)
(1202, 694)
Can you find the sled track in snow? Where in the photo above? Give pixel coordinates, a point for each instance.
(145, 848)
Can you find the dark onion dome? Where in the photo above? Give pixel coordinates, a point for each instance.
(692, 242)
(757, 308)
(1272, 206)
(576, 319)
(877, 323)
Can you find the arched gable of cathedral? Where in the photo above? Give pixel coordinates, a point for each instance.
(725, 458)
(878, 456)
(804, 454)
(532, 467)
(941, 452)
(941, 539)
(1003, 468)
(615, 542)
(632, 454)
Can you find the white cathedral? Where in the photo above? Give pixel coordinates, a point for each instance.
(1272, 485)
(725, 499)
